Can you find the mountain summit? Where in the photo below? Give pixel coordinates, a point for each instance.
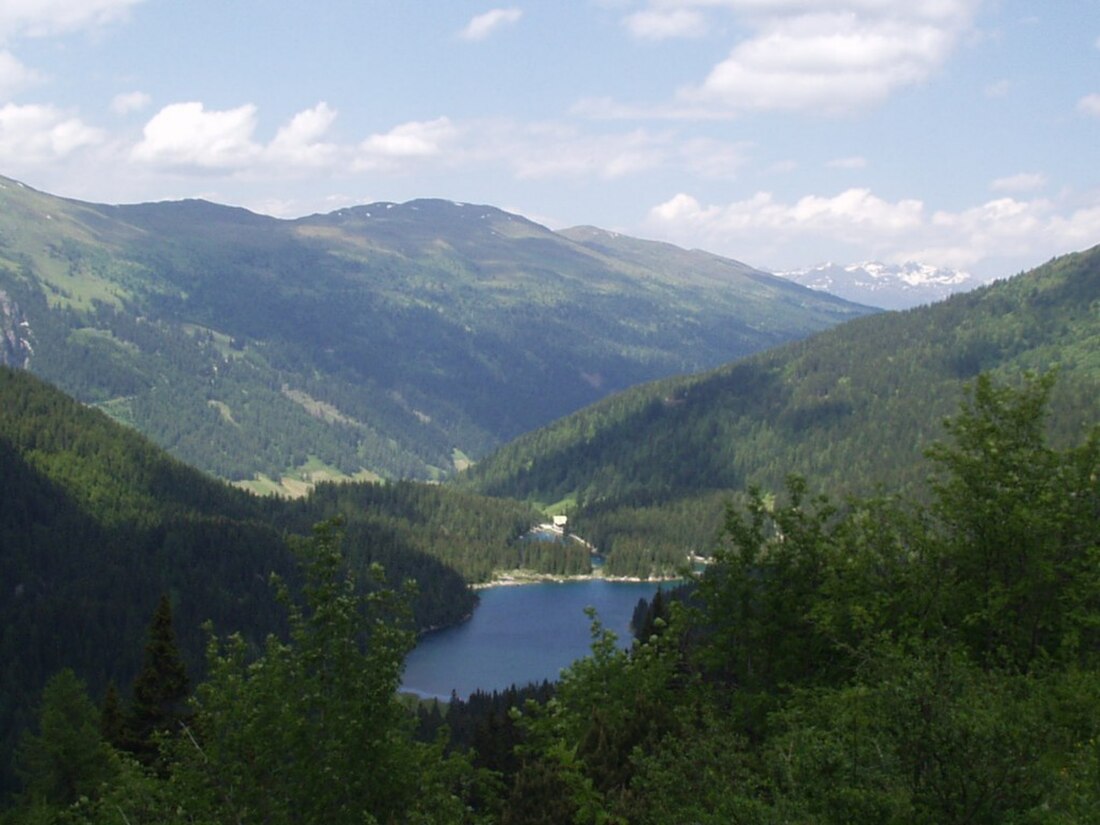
(889, 286)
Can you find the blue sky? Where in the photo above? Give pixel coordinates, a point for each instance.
(783, 133)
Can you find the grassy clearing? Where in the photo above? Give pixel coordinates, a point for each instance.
(298, 482)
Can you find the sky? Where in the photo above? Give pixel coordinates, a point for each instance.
(782, 133)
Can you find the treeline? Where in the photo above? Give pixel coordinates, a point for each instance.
(885, 660)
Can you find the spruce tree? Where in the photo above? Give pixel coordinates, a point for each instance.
(160, 689)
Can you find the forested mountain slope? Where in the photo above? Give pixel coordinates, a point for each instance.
(96, 523)
(389, 339)
(851, 408)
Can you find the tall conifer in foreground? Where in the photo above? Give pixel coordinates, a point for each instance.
(160, 689)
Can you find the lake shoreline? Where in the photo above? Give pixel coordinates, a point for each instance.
(520, 578)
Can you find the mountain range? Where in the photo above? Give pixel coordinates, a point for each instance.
(889, 286)
(385, 340)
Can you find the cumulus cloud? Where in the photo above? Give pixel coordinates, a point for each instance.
(485, 24)
(38, 18)
(828, 56)
(299, 142)
(127, 102)
(36, 133)
(415, 140)
(186, 134)
(1021, 182)
(661, 24)
(1089, 105)
(858, 225)
(761, 225)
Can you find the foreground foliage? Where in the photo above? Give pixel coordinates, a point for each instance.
(873, 661)
(310, 730)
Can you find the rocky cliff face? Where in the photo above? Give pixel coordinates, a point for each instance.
(15, 334)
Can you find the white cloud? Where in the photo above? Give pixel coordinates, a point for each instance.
(998, 89)
(827, 56)
(186, 134)
(14, 75)
(299, 142)
(854, 162)
(35, 134)
(415, 140)
(850, 215)
(484, 25)
(38, 18)
(661, 24)
(995, 238)
(1089, 105)
(1021, 182)
(127, 102)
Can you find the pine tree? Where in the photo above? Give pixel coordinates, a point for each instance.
(160, 689)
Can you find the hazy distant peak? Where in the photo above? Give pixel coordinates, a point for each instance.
(890, 286)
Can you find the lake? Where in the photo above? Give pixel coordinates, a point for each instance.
(520, 634)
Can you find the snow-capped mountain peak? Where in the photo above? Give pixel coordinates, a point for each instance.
(890, 286)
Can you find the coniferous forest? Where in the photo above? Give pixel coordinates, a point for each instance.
(874, 660)
(896, 624)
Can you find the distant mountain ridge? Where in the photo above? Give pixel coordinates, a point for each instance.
(888, 286)
(393, 340)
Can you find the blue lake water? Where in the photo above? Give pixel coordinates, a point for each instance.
(520, 634)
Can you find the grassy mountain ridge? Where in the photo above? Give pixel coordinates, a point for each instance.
(393, 339)
(850, 408)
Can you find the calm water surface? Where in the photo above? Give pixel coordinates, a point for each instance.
(520, 634)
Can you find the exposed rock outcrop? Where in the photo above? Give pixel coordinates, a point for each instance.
(15, 334)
